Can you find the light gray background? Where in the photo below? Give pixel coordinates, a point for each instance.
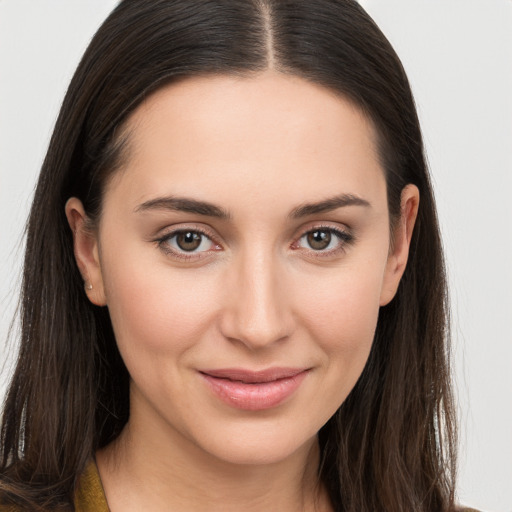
(458, 54)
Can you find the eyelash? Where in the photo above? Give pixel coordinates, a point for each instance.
(163, 243)
(344, 239)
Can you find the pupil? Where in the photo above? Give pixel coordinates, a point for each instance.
(188, 241)
(319, 239)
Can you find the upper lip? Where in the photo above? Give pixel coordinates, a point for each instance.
(254, 377)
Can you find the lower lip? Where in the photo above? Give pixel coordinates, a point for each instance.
(257, 396)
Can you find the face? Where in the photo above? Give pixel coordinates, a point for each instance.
(243, 253)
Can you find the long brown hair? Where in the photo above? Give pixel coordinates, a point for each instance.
(391, 445)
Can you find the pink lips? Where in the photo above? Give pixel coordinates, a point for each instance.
(254, 391)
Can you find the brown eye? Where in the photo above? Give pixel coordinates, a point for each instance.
(189, 244)
(189, 240)
(324, 241)
(319, 240)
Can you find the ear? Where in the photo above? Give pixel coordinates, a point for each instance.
(399, 252)
(86, 249)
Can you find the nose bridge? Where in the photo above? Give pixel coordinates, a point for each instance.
(258, 313)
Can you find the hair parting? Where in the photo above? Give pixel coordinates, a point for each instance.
(392, 443)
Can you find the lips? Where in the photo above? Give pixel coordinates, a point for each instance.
(254, 390)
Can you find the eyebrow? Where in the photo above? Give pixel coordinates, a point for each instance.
(183, 204)
(329, 205)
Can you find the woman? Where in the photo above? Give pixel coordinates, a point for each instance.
(224, 297)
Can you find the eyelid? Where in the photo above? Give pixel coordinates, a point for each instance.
(345, 236)
(169, 232)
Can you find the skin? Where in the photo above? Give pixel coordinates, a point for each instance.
(257, 295)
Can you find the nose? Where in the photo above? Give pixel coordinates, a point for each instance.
(257, 312)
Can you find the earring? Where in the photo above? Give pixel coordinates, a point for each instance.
(88, 286)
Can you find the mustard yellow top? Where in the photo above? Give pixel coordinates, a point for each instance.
(90, 497)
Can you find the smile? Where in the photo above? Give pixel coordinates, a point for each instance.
(254, 391)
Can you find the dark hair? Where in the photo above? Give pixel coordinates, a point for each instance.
(391, 445)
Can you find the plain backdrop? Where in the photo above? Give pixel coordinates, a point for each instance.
(458, 55)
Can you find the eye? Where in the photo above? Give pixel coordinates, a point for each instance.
(323, 239)
(190, 241)
(186, 243)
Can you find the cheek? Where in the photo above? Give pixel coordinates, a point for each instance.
(156, 309)
(341, 316)
(343, 312)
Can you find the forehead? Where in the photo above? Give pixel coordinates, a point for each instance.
(249, 136)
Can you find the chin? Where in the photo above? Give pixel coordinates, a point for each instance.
(258, 444)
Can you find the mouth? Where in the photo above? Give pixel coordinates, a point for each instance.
(254, 390)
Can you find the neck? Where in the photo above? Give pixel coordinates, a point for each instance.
(156, 468)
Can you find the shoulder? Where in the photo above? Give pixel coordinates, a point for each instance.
(89, 495)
